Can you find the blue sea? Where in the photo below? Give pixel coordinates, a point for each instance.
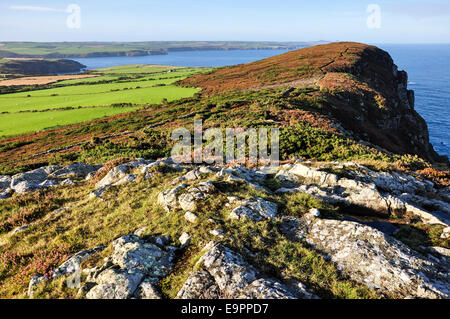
(428, 67)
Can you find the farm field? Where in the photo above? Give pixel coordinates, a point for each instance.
(18, 123)
(113, 91)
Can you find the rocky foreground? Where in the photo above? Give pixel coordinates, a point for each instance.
(366, 252)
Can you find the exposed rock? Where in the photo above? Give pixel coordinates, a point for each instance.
(48, 183)
(113, 176)
(148, 176)
(134, 254)
(191, 217)
(20, 229)
(98, 192)
(374, 259)
(185, 239)
(74, 262)
(161, 240)
(126, 179)
(266, 289)
(365, 192)
(25, 182)
(7, 193)
(440, 250)
(445, 233)
(251, 177)
(77, 170)
(199, 285)
(24, 187)
(217, 233)
(35, 280)
(225, 274)
(5, 181)
(67, 182)
(147, 290)
(115, 284)
(172, 199)
(168, 198)
(140, 232)
(71, 265)
(192, 175)
(44, 177)
(257, 209)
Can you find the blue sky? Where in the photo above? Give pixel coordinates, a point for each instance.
(283, 20)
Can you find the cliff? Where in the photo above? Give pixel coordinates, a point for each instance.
(360, 85)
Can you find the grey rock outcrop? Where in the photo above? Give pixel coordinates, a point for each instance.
(44, 177)
(363, 189)
(373, 258)
(134, 267)
(185, 197)
(256, 209)
(225, 274)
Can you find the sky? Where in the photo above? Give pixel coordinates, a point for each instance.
(371, 21)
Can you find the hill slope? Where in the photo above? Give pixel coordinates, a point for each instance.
(360, 86)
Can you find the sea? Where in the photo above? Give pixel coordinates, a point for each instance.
(428, 67)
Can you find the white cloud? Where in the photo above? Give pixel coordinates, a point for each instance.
(34, 8)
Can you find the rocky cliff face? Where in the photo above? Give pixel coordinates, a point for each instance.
(381, 109)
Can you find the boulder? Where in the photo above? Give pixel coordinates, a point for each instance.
(373, 258)
(256, 209)
(29, 181)
(24, 187)
(168, 198)
(134, 254)
(172, 199)
(113, 176)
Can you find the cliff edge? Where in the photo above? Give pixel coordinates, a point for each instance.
(360, 87)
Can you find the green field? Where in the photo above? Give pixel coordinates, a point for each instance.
(17, 123)
(75, 101)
